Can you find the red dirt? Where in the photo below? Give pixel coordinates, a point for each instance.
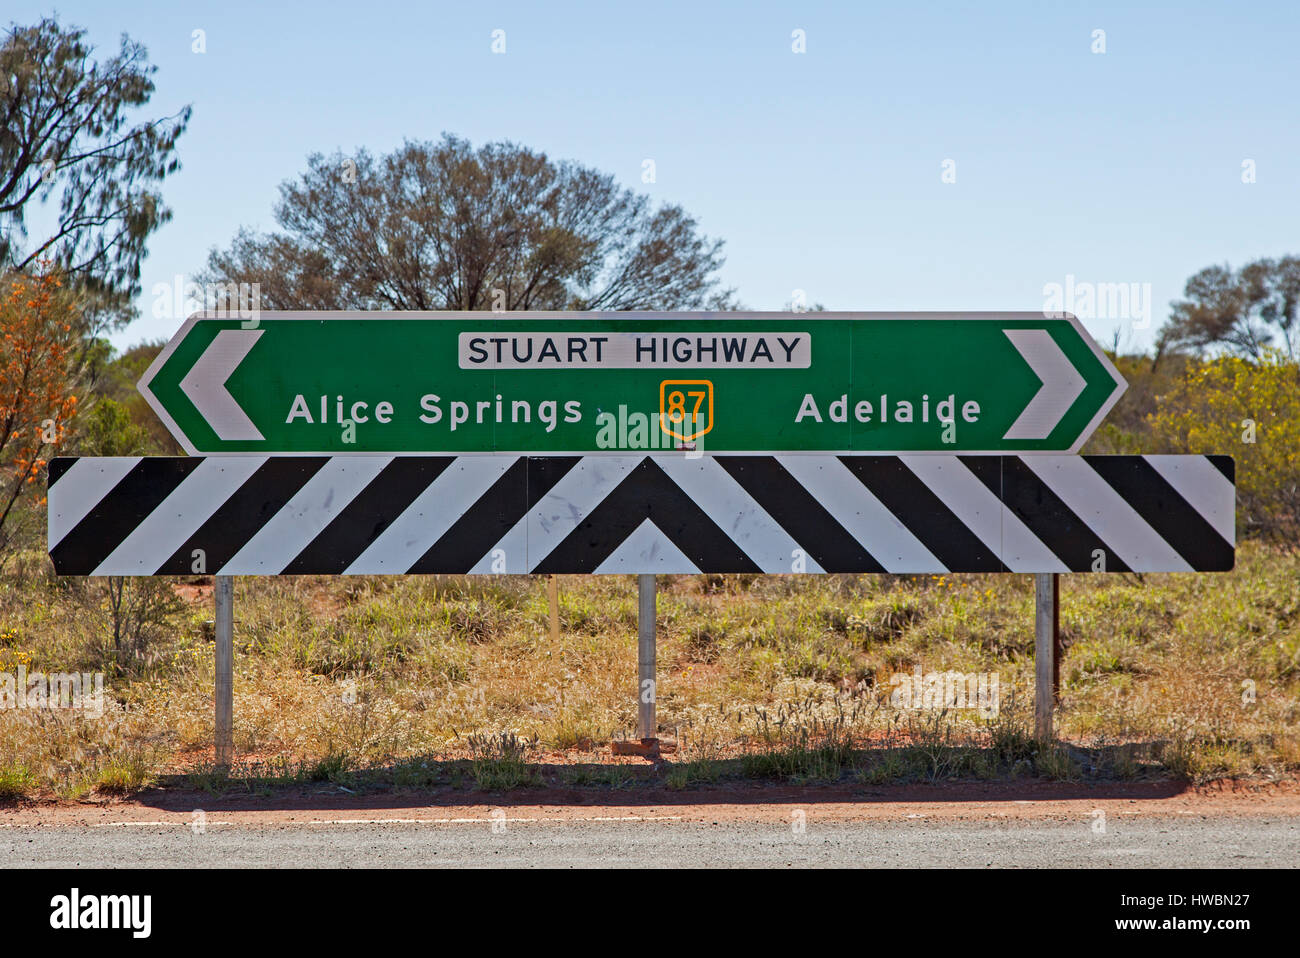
(194, 593)
(1013, 802)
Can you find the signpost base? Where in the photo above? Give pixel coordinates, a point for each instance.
(646, 748)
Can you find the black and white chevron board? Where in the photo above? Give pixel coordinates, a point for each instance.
(361, 514)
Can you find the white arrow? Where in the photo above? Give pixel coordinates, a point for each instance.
(205, 384)
(1062, 384)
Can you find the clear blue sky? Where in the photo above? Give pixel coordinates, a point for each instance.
(822, 170)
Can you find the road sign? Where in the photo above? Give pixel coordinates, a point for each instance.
(921, 513)
(339, 383)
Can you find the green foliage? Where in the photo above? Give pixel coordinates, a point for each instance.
(109, 431)
(16, 780)
(500, 762)
(696, 772)
(127, 772)
(332, 767)
(801, 761)
(1251, 410)
(1056, 764)
(108, 374)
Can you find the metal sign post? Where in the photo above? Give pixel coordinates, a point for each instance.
(223, 593)
(646, 726)
(1046, 638)
(553, 600)
(1057, 652)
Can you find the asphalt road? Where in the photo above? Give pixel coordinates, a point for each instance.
(1159, 843)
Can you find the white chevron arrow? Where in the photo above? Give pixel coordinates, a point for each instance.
(205, 384)
(1062, 384)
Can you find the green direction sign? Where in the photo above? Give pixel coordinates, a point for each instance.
(533, 382)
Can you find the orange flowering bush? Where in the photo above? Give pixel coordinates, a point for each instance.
(37, 343)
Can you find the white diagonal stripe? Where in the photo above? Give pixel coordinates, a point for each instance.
(736, 513)
(647, 550)
(567, 504)
(80, 489)
(1207, 490)
(1095, 501)
(863, 515)
(984, 514)
(180, 515)
(430, 515)
(303, 517)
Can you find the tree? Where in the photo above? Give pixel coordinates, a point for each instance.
(1238, 311)
(37, 320)
(65, 130)
(444, 226)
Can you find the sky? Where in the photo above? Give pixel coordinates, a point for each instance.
(942, 156)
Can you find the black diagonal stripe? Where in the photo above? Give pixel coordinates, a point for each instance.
(372, 511)
(799, 513)
(647, 493)
(988, 470)
(1226, 465)
(1042, 511)
(494, 514)
(244, 513)
(58, 466)
(1172, 517)
(923, 513)
(115, 516)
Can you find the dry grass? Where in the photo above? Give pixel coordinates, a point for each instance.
(441, 680)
